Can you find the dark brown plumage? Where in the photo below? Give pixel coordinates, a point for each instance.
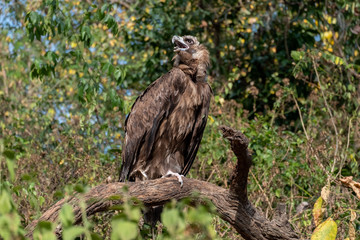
(167, 121)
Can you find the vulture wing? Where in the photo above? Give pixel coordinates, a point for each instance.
(198, 130)
(149, 110)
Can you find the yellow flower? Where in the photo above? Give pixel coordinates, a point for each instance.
(328, 35)
(73, 44)
(81, 74)
(71, 71)
(356, 53)
(149, 27)
(133, 57)
(61, 162)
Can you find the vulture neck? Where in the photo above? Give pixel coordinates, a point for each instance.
(188, 70)
(197, 72)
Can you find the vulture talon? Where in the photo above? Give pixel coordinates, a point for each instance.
(179, 177)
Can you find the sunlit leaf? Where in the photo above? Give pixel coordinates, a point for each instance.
(325, 231)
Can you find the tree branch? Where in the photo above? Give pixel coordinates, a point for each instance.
(232, 204)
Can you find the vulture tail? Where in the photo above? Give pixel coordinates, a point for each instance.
(152, 215)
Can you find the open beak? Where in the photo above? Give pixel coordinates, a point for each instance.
(180, 45)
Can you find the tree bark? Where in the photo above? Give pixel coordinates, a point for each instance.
(232, 205)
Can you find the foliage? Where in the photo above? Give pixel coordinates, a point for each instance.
(285, 73)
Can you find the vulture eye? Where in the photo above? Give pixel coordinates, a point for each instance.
(189, 41)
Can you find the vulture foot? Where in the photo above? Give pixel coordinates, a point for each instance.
(179, 177)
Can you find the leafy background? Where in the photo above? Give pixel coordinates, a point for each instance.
(285, 73)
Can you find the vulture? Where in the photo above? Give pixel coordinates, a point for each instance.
(163, 131)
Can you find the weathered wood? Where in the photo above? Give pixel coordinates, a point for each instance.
(232, 204)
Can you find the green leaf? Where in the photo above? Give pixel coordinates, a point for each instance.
(278, 192)
(66, 216)
(172, 221)
(123, 230)
(297, 55)
(106, 67)
(33, 17)
(325, 231)
(117, 74)
(134, 214)
(104, 7)
(72, 232)
(5, 202)
(9, 154)
(11, 167)
(44, 230)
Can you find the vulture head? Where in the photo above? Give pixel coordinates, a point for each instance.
(191, 56)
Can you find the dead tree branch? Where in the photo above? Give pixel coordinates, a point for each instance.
(232, 205)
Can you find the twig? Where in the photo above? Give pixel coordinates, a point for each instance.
(261, 189)
(301, 118)
(331, 117)
(308, 138)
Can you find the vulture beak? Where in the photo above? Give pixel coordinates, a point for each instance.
(180, 45)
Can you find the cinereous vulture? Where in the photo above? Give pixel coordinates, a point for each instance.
(167, 121)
